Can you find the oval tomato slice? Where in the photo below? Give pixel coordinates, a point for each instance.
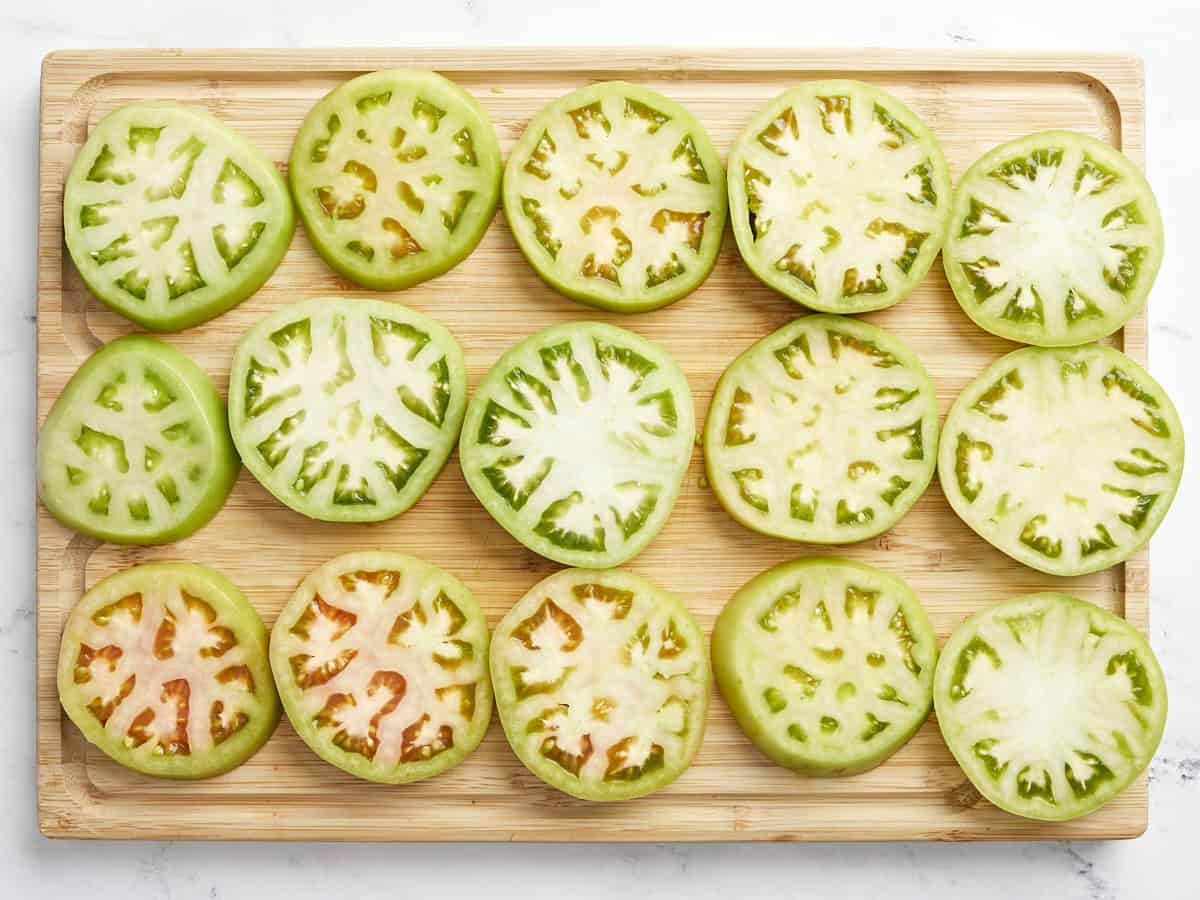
(824, 431)
(839, 196)
(1066, 460)
(602, 684)
(136, 450)
(577, 441)
(396, 175)
(171, 218)
(1055, 239)
(1051, 705)
(346, 410)
(164, 668)
(381, 661)
(827, 664)
(615, 196)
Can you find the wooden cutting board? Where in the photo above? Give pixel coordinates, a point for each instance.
(972, 101)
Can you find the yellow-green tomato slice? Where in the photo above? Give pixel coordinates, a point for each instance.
(824, 431)
(1055, 240)
(1052, 706)
(346, 410)
(1067, 460)
(381, 662)
(839, 196)
(171, 218)
(602, 683)
(826, 664)
(577, 440)
(164, 667)
(616, 197)
(136, 450)
(396, 175)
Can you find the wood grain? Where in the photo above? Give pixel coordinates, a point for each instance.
(971, 100)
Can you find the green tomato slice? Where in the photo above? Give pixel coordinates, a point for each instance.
(136, 450)
(824, 431)
(396, 175)
(346, 410)
(577, 441)
(171, 218)
(1055, 240)
(381, 662)
(1051, 705)
(614, 194)
(1067, 460)
(164, 668)
(602, 684)
(839, 196)
(826, 664)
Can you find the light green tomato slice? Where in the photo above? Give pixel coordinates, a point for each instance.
(602, 684)
(1051, 705)
(1055, 240)
(396, 175)
(615, 196)
(346, 410)
(171, 218)
(136, 450)
(826, 664)
(1066, 460)
(577, 441)
(839, 196)
(381, 662)
(824, 431)
(164, 668)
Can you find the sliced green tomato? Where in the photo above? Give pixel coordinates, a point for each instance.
(171, 218)
(1051, 705)
(164, 668)
(1066, 460)
(615, 196)
(602, 684)
(827, 664)
(824, 432)
(1055, 240)
(136, 450)
(346, 410)
(396, 175)
(839, 196)
(577, 441)
(381, 662)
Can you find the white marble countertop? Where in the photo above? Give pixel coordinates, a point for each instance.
(1163, 32)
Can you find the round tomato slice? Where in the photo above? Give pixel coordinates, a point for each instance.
(577, 441)
(823, 432)
(602, 684)
(1051, 705)
(171, 218)
(381, 661)
(826, 664)
(839, 196)
(396, 175)
(346, 410)
(1066, 460)
(164, 668)
(136, 450)
(615, 196)
(1055, 240)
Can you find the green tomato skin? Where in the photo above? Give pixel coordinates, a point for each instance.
(234, 612)
(725, 656)
(576, 288)
(211, 301)
(209, 408)
(302, 184)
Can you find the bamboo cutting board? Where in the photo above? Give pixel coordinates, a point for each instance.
(972, 101)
